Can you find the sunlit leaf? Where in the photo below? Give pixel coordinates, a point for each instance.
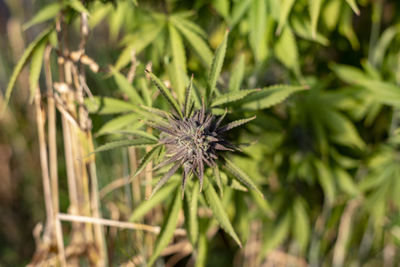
(35, 69)
(168, 227)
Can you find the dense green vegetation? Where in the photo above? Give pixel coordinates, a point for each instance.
(308, 173)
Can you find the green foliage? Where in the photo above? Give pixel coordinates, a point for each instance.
(310, 91)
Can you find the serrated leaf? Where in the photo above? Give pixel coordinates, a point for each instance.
(353, 5)
(146, 159)
(178, 61)
(216, 67)
(36, 67)
(237, 73)
(136, 133)
(165, 92)
(125, 86)
(286, 7)
(235, 124)
(188, 98)
(315, 9)
(218, 210)
(169, 225)
(144, 207)
(270, 96)
(45, 13)
(125, 143)
(196, 42)
(21, 63)
(232, 97)
(241, 176)
(107, 105)
(117, 123)
(190, 211)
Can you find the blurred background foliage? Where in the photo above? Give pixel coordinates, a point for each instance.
(327, 158)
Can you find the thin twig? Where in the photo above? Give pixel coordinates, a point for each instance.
(119, 224)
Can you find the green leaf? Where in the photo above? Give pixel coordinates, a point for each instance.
(384, 41)
(167, 230)
(144, 207)
(326, 181)
(78, 6)
(21, 63)
(241, 176)
(218, 210)
(257, 36)
(36, 67)
(237, 73)
(217, 176)
(275, 236)
(235, 124)
(196, 42)
(238, 10)
(107, 105)
(188, 98)
(117, 123)
(286, 50)
(262, 204)
(190, 211)
(346, 182)
(165, 92)
(178, 61)
(222, 7)
(139, 41)
(202, 250)
(216, 67)
(301, 227)
(147, 159)
(45, 13)
(125, 86)
(353, 5)
(125, 143)
(286, 7)
(232, 97)
(315, 9)
(270, 96)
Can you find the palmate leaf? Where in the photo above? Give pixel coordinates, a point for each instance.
(169, 225)
(241, 176)
(125, 143)
(286, 50)
(108, 105)
(190, 205)
(270, 96)
(21, 62)
(144, 207)
(196, 42)
(218, 210)
(139, 41)
(165, 92)
(231, 97)
(216, 67)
